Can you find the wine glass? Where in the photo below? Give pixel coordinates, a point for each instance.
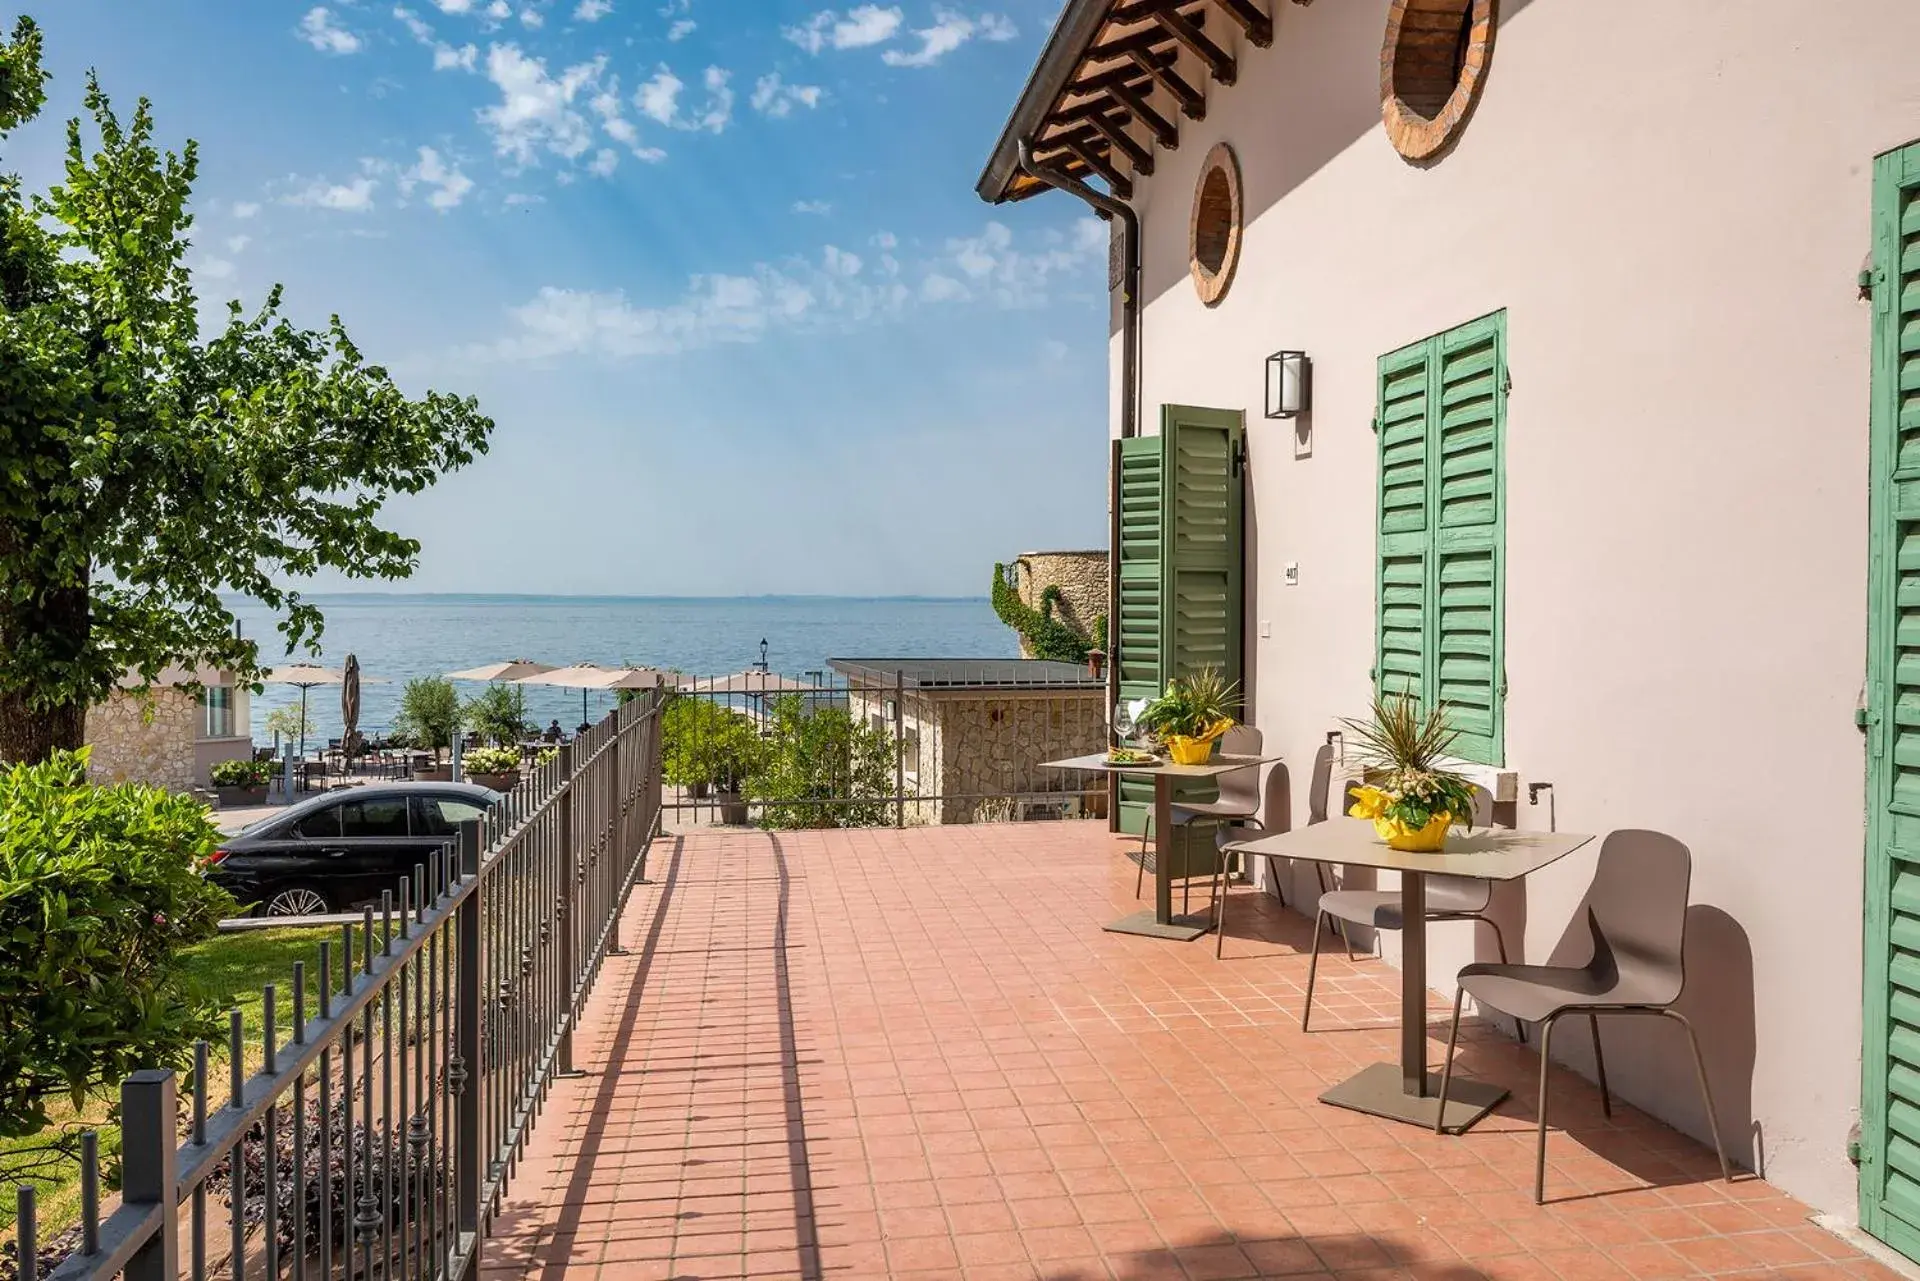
(1122, 722)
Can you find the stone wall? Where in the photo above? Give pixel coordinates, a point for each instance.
(145, 738)
(1080, 576)
(991, 749)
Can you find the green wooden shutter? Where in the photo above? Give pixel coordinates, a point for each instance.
(1439, 569)
(1890, 1069)
(1136, 633)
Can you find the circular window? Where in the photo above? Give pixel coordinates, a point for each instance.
(1431, 65)
(1214, 241)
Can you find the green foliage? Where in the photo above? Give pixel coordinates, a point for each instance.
(1046, 635)
(290, 723)
(702, 741)
(1192, 706)
(149, 472)
(240, 773)
(823, 769)
(1402, 749)
(489, 760)
(429, 712)
(498, 713)
(100, 890)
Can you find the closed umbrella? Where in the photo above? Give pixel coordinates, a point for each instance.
(350, 707)
(580, 676)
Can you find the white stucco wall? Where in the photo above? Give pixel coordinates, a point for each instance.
(1672, 202)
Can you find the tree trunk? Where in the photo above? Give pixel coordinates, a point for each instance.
(55, 626)
(30, 734)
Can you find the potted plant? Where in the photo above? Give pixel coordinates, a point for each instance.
(495, 767)
(1191, 716)
(1411, 798)
(240, 782)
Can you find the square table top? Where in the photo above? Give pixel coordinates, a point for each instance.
(1218, 765)
(1488, 853)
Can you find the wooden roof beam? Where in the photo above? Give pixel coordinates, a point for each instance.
(1117, 182)
(1159, 126)
(1257, 25)
(1101, 81)
(1218, 60)
(1149, 39)
(1192, 105)
(1138, 156)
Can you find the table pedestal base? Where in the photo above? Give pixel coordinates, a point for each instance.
(1380, 1091)
(1182, 929)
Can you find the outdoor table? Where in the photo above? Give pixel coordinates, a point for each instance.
(1160, 922)
(1406, 1091)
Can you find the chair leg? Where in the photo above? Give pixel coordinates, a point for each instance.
(1540, 1153)
(1140, 864)
(1446, 1064)
(1706, 1093)
(1500, 941)
(1313, 968)
(1600, 1066)
(1219, 904)
(1273, 874)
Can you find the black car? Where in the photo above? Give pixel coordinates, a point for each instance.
(340, 849)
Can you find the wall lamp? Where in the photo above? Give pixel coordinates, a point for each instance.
(1289, 384)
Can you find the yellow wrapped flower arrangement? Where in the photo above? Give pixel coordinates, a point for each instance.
(1191, 716)
(1410, 798)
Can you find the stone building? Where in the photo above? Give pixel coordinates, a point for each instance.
(1081, 578)
(169, 735)
(974, 732)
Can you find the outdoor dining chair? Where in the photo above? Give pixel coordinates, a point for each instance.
(1449, 898)
(1637, 917)
(1275, 817)
(1239, 797)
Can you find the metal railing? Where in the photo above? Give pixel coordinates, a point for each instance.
(943, 741)
(397, 1083)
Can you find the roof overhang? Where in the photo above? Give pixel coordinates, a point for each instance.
(1110, 86)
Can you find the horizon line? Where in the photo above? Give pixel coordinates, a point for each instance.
(235, 597)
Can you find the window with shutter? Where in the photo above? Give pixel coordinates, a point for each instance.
(1439, 580)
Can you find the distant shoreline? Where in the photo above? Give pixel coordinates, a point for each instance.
(623, 600)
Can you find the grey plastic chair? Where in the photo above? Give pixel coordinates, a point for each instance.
(1275, 817)
(1449, 898)
(1239, 796)
(1637, 916)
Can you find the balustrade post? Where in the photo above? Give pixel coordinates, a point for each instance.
(150, 1171)
(464, 1071)
(568, 910)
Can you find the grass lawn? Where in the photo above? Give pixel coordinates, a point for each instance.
(234, 967)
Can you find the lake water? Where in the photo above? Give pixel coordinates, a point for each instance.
(400, 637)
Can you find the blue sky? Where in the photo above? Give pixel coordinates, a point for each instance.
(716, 268)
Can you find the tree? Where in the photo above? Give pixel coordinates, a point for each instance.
(144, 469)
(498, 713)
(289, 723)
(429, 712)
(822, 768)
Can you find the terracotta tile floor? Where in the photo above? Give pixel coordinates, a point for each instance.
(871, 1053)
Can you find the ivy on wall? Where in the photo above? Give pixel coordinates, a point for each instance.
(1045, 635)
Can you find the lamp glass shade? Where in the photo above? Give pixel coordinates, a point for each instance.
(1289, 384)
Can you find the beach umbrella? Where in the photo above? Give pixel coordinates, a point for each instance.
(305, 676)
(754, 680)
(350, 705)
(580, 676)
(647, 678)
(511, 669)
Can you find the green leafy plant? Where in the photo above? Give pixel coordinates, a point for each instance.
(489, 760)
(101, 890)
(240, 773)
(429, 712)
(704, 742)
(545, 756)
(289, 724)
(498, 713)
(822, 768)
(1046, 635)
(1194, 706)
(151, 472)
(1401, 749)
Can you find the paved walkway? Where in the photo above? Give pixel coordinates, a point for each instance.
(868, 1054)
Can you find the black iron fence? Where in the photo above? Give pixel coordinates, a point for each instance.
(400, 1079)
(896, 744)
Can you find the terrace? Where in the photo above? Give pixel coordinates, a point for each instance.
(878, 1052)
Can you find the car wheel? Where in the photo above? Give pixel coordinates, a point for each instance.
(296, 900)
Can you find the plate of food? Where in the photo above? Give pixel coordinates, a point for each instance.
(1131, 756)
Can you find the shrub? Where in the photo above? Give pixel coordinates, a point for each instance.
(241, 773)
(429, 712)
(101, 890)
(823, 769)
(289, 724)
(498, 714)
(489, 760)
(704, 742)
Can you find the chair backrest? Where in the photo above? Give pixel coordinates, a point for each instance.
(1322, 784)
(1637, 911)
(1276, 801)
(1243, 785)
(1465, 893)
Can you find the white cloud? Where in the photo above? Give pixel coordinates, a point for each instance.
(774, 97)
(718, 109)
(414, 23)
(682, 28)
(885, 240)
(990, 265)
(238, 244)
(659, 100)
(839, 262)
(869, 24)
(536, 110)
(819, 208)
(352, 196)
(532, 19)
(499, 10)
(213, 268)
(450, 186)
(604, 162)
(318, 29)
(949, 31)
(941, 288)
(592, 10)
(445, 56)
(523, 198)
(997, 27)
(245, 208)
(454, 6)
